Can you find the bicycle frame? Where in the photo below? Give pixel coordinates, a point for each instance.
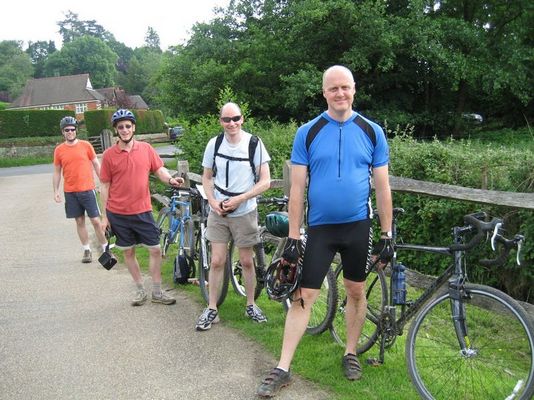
(390, 326)
(177, 223)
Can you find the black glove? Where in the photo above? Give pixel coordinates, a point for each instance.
(293, 250)
(384, 249)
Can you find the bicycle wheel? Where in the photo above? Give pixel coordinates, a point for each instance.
(376, 294)
(203, 247)
(164, 219)
(324, 308)
(498, 363)
(236, 271)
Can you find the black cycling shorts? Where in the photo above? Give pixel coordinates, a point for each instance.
(351, 240)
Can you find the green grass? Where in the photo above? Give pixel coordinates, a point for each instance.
(318, 358)
(25, 161)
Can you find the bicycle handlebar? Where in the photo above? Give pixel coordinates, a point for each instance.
(475, 222)
(279, 201)
(177, 191)
(507, 245)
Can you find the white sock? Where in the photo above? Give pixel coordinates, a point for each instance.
(86, 246)
(104, 247)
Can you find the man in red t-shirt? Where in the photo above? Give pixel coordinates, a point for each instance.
(76, 159)
(125, 195)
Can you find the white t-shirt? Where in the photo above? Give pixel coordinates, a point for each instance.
(239, 173)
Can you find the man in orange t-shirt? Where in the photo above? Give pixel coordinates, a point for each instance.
(76, 159)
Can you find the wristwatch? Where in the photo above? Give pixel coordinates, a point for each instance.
(387, 234)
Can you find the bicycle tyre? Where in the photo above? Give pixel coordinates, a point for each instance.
(163, 224)
(204, 262)
(501, 338)
(324, 308)
(377, 299)
(235, 272)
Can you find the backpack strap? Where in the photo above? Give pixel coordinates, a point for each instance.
(218, 142)
(252, 145)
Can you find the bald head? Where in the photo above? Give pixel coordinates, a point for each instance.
(233, 108)
(337, 70)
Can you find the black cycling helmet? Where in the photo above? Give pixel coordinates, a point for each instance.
(282, 279)
(68, 121)
(277, 223)
(121, 115)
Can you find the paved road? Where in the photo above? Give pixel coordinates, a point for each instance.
(67, 330)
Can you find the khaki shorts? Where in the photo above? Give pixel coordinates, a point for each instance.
(243, 229)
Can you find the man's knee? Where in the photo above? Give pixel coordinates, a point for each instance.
(355, 290)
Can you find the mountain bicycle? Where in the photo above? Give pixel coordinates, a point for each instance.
(175, 223)
(466, 341)
(268, 248)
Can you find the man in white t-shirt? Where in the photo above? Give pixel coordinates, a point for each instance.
(231, 187)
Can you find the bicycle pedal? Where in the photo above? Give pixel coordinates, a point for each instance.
(374, 362)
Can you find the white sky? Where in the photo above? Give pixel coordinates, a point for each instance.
(34, 20)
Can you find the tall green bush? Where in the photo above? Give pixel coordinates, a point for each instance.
(469, 164)
(427, 220)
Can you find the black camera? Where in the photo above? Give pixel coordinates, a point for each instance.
(107, 260)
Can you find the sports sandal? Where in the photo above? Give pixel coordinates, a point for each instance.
(273, 382)
(351, 367)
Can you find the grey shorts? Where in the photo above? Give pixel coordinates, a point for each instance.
(77, 203)
(243, 229)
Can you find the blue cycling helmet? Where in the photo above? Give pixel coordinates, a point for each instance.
(122, 115)
(68, 121)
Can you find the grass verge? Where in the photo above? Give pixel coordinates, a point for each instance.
(318, 358)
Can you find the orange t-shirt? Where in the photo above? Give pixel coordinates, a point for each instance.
(76, 164)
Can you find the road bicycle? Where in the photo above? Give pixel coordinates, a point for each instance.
(175, 222)
(203, 252)
(465, 341)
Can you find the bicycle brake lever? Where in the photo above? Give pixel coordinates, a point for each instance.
(519, 245)
(495, 232)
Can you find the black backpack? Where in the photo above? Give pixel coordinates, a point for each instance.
(252, 145)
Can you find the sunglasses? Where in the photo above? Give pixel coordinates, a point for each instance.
(127, 126)
(228, 119)
(69, 130)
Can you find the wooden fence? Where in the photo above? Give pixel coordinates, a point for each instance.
(406, 185)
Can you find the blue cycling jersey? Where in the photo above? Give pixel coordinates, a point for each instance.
(340, 160)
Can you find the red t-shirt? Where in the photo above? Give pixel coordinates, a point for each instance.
(76, 165)
(128, 173)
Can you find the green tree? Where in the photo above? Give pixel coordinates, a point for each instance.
(71, 28)
(141, 69)
(152, 40)
(15, 67)
(39, 52)
(86, 54)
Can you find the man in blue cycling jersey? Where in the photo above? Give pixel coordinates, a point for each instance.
(339, 152)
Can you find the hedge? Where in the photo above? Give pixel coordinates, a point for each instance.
(26, 123)
(147, 121)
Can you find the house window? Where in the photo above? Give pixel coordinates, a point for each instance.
(81, 108)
